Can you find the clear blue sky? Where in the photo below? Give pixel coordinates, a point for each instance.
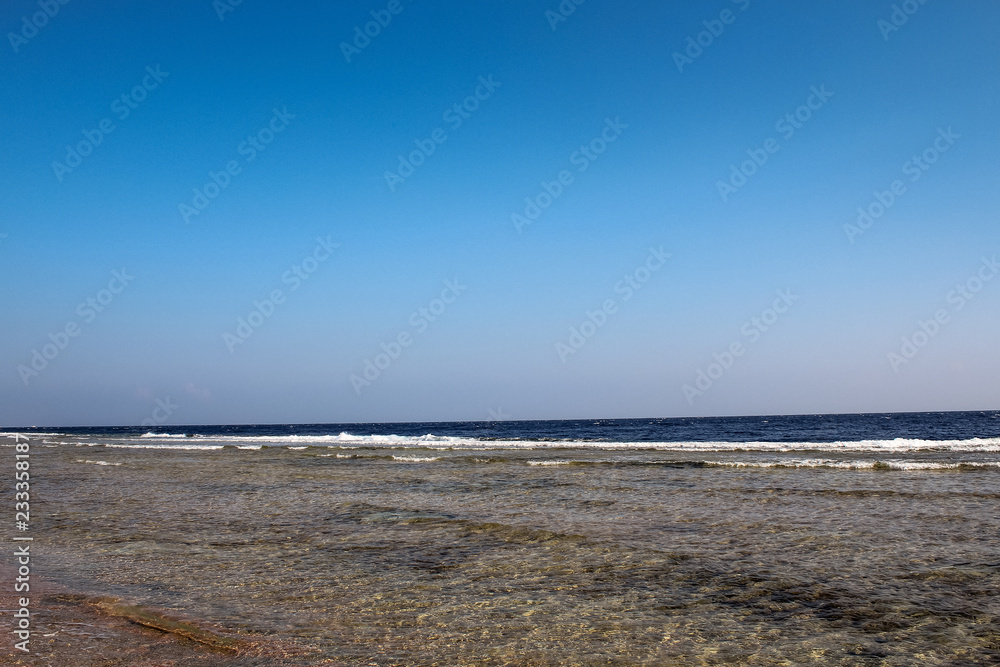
(676, 127)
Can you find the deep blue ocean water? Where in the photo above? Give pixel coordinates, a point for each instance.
(779, 429)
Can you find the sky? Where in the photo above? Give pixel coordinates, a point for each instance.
(300, 212)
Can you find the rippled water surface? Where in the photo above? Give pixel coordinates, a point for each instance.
(512, 550)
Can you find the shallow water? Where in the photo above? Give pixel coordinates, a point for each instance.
(417, 552)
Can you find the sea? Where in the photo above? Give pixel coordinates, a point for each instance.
(865, 539)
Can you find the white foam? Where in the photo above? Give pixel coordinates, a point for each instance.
(897, 445)
(416, 459)
(30, 436)
(340, 439)
(98, 463)
(346, 440)
(893, 464)
(180, 447)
